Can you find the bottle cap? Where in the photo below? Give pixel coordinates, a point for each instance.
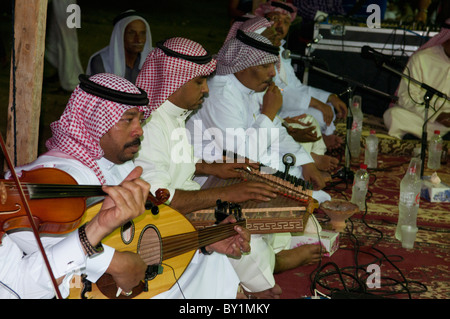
(372, 132)
(363, 166)
(437, 132)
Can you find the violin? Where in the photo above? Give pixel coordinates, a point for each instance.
(56, 201)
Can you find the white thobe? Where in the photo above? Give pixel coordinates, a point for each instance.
(27, 274)
(431, 66)
(232, 106)
(297, 96)
(230, 119)
(168, 162)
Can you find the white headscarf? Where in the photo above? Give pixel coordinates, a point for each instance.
(113, 55)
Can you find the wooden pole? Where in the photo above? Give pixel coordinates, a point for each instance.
(24, 112)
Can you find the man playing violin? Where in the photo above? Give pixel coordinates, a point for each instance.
(76, 148)
(94, 141)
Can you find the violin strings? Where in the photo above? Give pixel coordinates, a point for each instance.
(58, 190)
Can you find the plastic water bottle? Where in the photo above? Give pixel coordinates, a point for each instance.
(409, 200)
(371, 150)
(360, 186)
(435, 151)
(356, 130)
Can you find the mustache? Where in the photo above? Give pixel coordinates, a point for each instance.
(136, 142)
(279, 30)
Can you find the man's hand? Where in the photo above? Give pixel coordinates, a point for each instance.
(297, 120)
(312, 174)
(444, 119)
(272, 101)
(124, 203)
(127, 269)
(244, 191)
(339, 106)
(234, 245)
(304, 135)
(326, 110)
(226, 170)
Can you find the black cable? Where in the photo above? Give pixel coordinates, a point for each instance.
(175, 277)
(359, 284)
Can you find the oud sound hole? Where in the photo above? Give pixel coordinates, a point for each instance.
(149, 246)
(127, 232)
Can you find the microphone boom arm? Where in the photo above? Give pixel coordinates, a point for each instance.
(355, 83)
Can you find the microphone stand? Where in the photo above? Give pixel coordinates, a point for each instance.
(427, 98)
(346, 174)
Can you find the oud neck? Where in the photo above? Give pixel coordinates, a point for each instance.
(179, 244)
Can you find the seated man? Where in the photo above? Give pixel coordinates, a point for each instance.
(78, 150)
(95, 141)
(303, 128)
(166, 154)
(430, 65)
(299, 98)
(130, 43)
(239, 116)
(242, 96)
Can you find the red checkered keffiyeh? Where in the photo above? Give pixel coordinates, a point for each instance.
(87, 118)
(251, 24)
(277, 6)
(235, 55)
(162, 74)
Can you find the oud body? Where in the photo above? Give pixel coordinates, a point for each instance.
(166, 242)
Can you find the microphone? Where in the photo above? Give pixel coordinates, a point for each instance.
(369, 53)
(287, 54)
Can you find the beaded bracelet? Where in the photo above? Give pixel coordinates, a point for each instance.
(90, 250)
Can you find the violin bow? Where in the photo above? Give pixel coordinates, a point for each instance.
(30, 218)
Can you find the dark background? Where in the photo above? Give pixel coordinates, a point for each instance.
(205, 21)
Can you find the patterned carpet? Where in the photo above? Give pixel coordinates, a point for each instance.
(419, 273)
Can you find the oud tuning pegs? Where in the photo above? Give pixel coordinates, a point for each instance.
(151, 207)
